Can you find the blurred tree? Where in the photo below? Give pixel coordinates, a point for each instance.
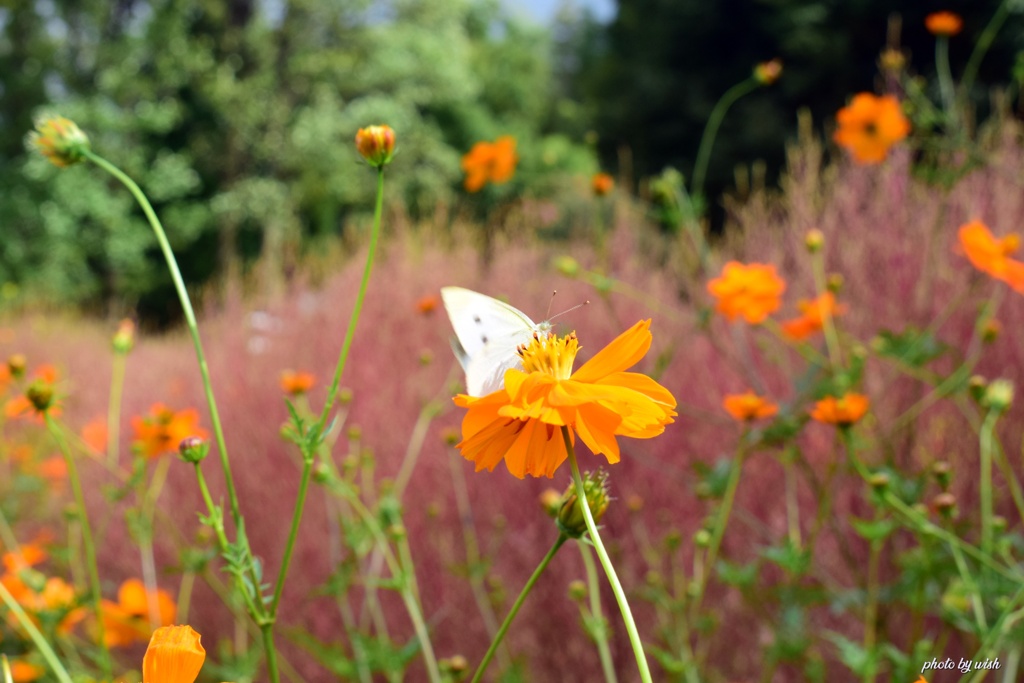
(651, 77)
(238, 118)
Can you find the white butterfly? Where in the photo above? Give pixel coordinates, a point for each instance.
(488, 332)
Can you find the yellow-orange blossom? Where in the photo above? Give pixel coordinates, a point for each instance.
(521, 422)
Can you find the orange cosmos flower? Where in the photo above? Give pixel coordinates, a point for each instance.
(55, 470)
(751, 291)
(427, 304)
(297, 383)
(174, 655)
(944, 24)
(842, 411)
(869, 126)
(163, 429)
(127, 620)
(60, 140)
(602, 184)
(521, 422)
(991, 255)
(490, 162)
(94, 434)
(748, 406)
(24, 672)
(814, 313)
(39, 398)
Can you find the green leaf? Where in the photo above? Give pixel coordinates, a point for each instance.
(910, 347)
(873, 530)
(855, 657)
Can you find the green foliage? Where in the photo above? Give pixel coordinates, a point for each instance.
(239, 125)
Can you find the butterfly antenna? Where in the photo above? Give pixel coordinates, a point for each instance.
(550, 301)
(585, 303)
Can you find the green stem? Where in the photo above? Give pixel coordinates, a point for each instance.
(821, 285)
(711, 130)
(500, 635)
(114, 408)
(721, 522)
(411, 596)
(945, 77)
(188, 580)
(350, 332)
(871, 609)
(37, 638)
(293, 533)
(87, 541)
(267, 630)
(600, 624)
(981, 47)
(190, 319)
(985, 484)
(606, 563)
(148, 510)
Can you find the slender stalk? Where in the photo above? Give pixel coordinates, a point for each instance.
(721, 522)
(293, 532)
(37, 638)
(707, 140)
(190, 319)
(981, 47)
(500, 635)
(945, 77)
(600, 625)
(606, 564)
(411, 595)
(821, 286)
(148, 504)
(378, 210)
(985, 479)
(792, 504)
(267, 630)
(188, 580)
(871, 609)
(117, 373)
(87, 541)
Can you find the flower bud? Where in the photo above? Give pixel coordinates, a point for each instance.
(977, 387)
(344, 396)
(451, 436)
(17, 364)
(990, 332)
(702, 539)
(321, 473)
(456, 667)
(814, 240)
(998, 395)
(635, 503)
(768, 72)
(376, 144)
(551, 501)
(59, 140)
(835, 283)
(124, 338)
(577, 591)
(879, 481)
(892, 60)
(944, 503)
(941, 471)
(193, 449)
(40, 395)
(570, 514)
(567, 266)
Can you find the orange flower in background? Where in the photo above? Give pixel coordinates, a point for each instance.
(94, 434)
(991, 255)
(27, 555)
(748, 406)
(842, 411)
(127, 620)
(752, 291)
(296, 383)
(25, 672)
(427, 304)
(55, 470)
(163, 429)
(869, 126)
(490, 162)
(521, 422)
(174, 655)
(813, 315)
(602, 184)
(943, 24)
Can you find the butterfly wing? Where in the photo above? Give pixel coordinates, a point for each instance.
(488, 332)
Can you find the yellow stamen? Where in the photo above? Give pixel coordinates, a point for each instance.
(550, 354)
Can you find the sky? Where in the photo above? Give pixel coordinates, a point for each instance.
(544, 11)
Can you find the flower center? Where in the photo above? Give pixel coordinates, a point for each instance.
(551, 354)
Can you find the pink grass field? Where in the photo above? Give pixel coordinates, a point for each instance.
(890, 237)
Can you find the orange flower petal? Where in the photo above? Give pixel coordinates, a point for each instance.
(622, 353)
(174, 655)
